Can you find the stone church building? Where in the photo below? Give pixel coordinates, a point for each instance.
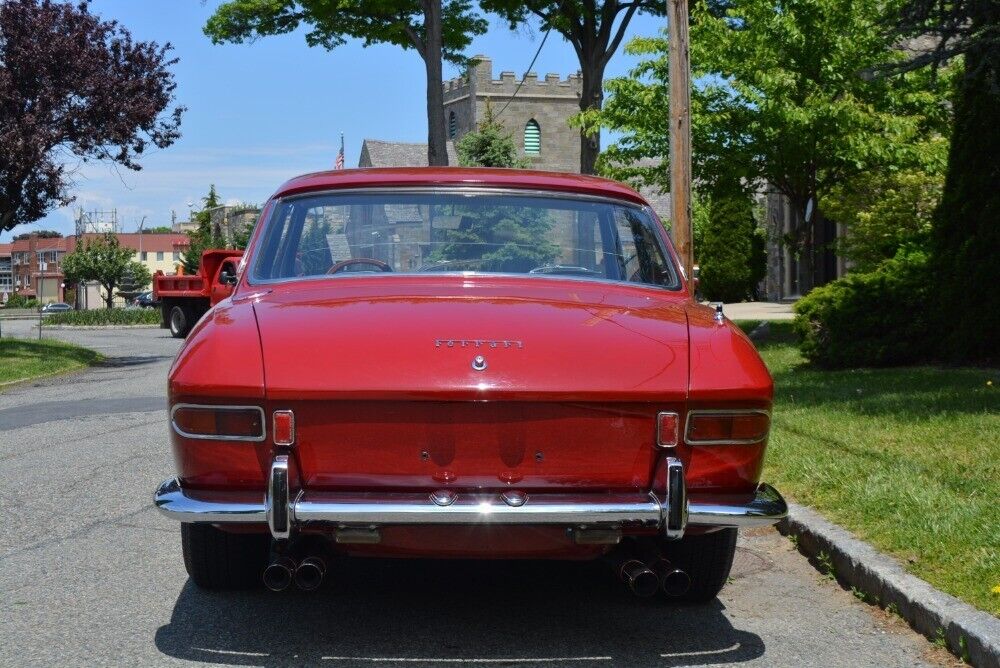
(536, 112)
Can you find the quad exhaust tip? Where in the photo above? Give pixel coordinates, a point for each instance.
(309, 575)
(641, 580)
(279, 574)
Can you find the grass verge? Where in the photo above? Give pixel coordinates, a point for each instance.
(906, 458)
(103, 316)
(24, 359)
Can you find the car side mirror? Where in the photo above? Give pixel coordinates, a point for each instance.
(227, 277)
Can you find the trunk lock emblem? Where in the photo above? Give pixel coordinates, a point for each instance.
(479, 363)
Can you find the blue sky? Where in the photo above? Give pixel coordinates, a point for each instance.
(261, 113)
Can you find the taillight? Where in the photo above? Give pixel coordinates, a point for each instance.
(284, 428)
(727, 427)
(667, 429)
(218, 423)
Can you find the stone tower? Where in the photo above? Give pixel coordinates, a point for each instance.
(537, 117)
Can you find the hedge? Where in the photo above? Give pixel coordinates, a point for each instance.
(103, 316)
(870, 319)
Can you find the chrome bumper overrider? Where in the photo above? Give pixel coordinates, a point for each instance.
(670, 511)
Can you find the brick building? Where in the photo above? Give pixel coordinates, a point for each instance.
(36, 263)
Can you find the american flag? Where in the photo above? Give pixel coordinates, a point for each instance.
(340, 156)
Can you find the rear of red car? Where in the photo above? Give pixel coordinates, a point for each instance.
(462, 370)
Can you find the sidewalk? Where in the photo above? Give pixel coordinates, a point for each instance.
(758, 311)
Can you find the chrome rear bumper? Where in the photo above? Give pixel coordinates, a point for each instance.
(670, 511)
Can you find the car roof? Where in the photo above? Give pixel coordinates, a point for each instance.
(458, 176)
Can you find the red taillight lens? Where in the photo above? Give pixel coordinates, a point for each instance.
(667, 429)
(221, 423)
(709, 427)
(284, 427)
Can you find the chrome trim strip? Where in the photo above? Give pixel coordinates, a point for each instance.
(204, 437)
(767, 507)
(400, 508)
(724, 411)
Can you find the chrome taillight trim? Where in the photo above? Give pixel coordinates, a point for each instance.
(677, 430)
(217, 407)
(724, 412)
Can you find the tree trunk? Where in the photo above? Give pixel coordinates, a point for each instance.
(592, 97)
(437, 138)
(965, 246)
(109, 299)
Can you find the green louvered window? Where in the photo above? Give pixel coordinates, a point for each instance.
(532, 138)
(452, 124)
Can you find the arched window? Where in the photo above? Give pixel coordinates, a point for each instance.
(532, 138)
(452, 124)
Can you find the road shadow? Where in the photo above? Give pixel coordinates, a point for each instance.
(519, 612)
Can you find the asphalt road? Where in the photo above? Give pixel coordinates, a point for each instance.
(91, 575)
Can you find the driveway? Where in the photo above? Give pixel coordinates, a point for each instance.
(90, 574)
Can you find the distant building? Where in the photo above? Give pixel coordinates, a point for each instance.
(36, 263)
(6, 272)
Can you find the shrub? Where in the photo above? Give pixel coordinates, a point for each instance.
(103, 316)
(876, 318)
(731, 257)
(19, 301)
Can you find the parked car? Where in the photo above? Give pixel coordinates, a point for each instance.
(183, 299)
(146, 300)
(56, 307)
(465, 363)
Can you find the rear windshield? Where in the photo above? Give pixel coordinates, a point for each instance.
(347, 234)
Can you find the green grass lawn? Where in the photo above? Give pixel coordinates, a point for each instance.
(907, 458)
(23, 359)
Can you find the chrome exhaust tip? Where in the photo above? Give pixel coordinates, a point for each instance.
(309, 575)
(675, 583)
(641, 580)
(278, 574)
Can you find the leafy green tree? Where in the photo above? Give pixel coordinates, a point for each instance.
(965, 239)
(780, 99)
(205, 237)
(731, 259)
(590, 26)
(500, 238)
(42, 234)
(489, 145)
(106, 261)
(888, 210)
(159, 229)
(438, 30)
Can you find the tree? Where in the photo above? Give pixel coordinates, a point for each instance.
(779, 101)
(965, 239)
(73, 85)
(109, 263)
(885, 211)
(42, 234)
(436, 30)
(159, 229)
(489, 145)
(731, 258)
(590, 27)
(206, 236)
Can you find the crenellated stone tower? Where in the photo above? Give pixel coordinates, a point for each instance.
(536, 118)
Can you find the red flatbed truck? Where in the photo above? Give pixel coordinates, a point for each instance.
(184, 298)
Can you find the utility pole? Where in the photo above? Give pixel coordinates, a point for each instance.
(680, 132)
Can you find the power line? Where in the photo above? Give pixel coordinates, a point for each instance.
(523, 76)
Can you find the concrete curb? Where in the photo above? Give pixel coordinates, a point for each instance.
(77, 327)
(970, 633)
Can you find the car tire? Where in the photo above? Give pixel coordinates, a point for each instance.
(707, 558)
(178, 322)
(216, 559)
